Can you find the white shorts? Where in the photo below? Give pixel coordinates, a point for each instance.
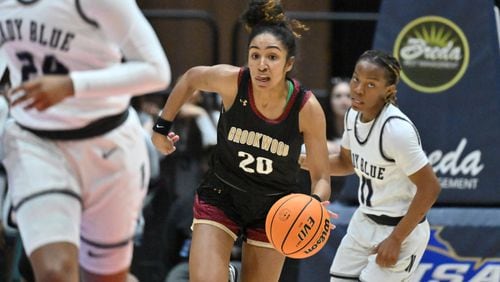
(355, 261)
(87, 192)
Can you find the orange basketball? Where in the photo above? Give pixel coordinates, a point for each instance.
(298, 226)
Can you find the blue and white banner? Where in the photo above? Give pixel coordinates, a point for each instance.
(464, 246)
(475, 261)
(450, 88)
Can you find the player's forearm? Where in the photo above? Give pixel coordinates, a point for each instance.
(322, 188)
(132, 78)
(320, 178)
(146, 68)
(178, 97)
(338, 166)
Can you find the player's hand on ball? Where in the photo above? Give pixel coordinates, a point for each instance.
(332, 214)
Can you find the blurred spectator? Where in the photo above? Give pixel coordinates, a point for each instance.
(339, 101)
(197, 124)
(169, 203)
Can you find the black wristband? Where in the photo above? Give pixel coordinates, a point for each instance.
(315, 196)
(162, 126)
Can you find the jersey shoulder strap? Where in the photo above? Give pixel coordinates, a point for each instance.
(387, 158)
(243, 82)
(84, 16)
(346, 117)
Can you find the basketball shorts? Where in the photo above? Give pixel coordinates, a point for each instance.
(87, 192)
(355, 259)
(237, 212)
(209, 214)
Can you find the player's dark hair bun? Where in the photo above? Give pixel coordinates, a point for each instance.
(263, 12)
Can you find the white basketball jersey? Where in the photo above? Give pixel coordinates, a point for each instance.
(384, 152)
(57, 37)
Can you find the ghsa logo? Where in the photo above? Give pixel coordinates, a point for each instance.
(441, 263)
(434, 54)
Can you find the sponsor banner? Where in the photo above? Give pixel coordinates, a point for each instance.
(454, 253)
(463, 246)
(450, 89)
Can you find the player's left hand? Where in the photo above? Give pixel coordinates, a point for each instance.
(388, 252)
(42, 92)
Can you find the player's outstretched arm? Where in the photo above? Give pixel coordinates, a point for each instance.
(145, 68)
(220, 79)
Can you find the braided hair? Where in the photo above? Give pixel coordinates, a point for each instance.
(267, 16)
(391, 66)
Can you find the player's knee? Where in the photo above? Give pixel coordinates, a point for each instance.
(55, 274)
(56, 270)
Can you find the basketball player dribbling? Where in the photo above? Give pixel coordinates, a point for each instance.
(388, 233)
(266, 116)
(75, 153)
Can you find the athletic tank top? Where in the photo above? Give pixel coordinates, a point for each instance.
(256, 154)
(384, 186)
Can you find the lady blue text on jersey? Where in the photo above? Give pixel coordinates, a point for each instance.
(53, 37)
(369, 170)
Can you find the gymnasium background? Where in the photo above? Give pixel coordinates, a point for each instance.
(450, 89)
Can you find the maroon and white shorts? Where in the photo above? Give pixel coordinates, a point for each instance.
(210, 214)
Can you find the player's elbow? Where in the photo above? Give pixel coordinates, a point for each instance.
(159, 75)
(163, 76)
(433, 189)
(436, 190)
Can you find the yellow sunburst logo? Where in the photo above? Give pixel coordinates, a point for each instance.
(434, 54)
(434, 35)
